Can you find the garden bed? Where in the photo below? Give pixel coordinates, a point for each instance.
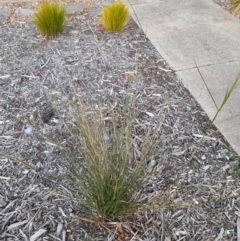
(38, 78)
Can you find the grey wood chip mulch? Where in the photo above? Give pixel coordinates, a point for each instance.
(38, 76)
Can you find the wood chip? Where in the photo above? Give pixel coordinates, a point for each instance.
(24, 235)
(64, 235)
(59, 229)
(238, 229)
(17, 225)
(38, 234)
(220, 235)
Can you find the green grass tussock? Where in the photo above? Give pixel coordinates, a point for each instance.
(50, 19)
(115, 17)
(110, 170)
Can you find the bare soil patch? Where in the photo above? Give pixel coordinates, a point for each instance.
(38, 78)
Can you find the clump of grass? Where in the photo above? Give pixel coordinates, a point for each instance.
(226, 225)
(50, 19)
(111, 168)
(115, 17)
(235, 5)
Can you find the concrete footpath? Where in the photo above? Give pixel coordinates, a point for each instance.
(185, 31)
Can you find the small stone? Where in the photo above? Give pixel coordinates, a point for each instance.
(95, 12)
(4, 15)
(74, 8)
(203, 157)
(28, 130)
(3, 203)
(24, 12)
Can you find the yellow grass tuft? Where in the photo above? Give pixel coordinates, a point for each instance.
(235, 5)
(50, 19)
(115, 17)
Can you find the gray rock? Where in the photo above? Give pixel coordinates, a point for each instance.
(24, 12)
(74, 8)
(95, 12)
(4, 15)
